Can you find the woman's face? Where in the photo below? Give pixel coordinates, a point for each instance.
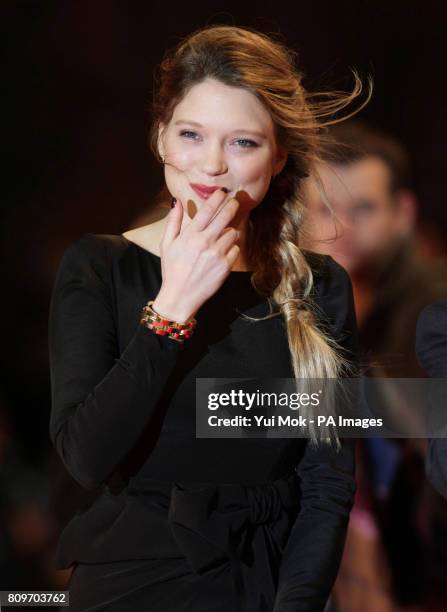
(219, 136)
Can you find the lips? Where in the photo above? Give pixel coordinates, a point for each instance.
(203, 191)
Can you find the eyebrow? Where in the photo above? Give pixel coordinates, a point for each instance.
(241, 130)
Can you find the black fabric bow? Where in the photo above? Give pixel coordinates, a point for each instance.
(236, 524)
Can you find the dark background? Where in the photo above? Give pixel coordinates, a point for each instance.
(76, 87)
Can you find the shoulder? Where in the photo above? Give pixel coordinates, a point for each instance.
(100, 246)
(91, 256)
(330, 278)
(433, 315)
(97, 247)
(332, 300)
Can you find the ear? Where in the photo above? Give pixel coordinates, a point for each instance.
(160, 143)
(280, 161)
(407, 206)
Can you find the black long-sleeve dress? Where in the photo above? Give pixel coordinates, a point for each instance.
(185, 523)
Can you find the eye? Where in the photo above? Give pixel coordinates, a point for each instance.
(189, 134)
(246, 143)
(364, 207)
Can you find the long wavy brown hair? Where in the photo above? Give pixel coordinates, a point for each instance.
(240, 57)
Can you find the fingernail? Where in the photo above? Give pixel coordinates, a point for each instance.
(173, 202)
(224, 189)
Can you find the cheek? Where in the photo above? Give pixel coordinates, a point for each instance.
(180, 160)
(320, 227)
(180, 157)
(373, 229)
(254, 173)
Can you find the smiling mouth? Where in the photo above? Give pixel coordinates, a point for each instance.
(203, 191)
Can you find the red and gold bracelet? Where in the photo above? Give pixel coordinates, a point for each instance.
(166, 327)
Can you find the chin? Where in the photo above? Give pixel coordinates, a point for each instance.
(349, 264)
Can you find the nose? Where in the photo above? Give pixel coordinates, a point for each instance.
(214, 160)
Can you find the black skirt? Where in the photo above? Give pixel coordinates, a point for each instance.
(149, 586)
(212, 548)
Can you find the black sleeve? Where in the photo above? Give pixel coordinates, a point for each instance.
(101, 401)
(431, 349)
(314, 549)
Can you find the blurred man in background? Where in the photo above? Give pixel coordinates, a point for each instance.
(363, 213)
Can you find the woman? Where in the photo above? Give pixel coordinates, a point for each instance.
(205, 524)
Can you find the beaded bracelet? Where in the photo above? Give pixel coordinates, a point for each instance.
(165, 327)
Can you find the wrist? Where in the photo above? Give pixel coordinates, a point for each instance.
(163, 326)
(172, 310)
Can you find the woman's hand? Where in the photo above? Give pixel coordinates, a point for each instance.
(196, 261)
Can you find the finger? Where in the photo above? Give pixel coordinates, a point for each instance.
(226, 240)
(233, 254)
(207, 211)
(222, 218)
(173, 224)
